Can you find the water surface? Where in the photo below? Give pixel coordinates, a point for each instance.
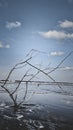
(46, 108)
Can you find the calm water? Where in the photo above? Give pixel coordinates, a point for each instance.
(45, 108)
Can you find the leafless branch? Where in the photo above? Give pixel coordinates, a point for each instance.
(14, 69)
(60, 63)
(11, 96)
(39, 70)
(21, 81)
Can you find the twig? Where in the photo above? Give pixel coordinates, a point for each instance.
(20, 82)
(60, 63)
(14, 69)
(11, 96)
(40, 71)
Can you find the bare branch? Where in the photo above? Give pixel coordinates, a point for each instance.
(33, 75)
(21, 81)
(25, 94)
(60, 63)
(40, 71)
(11, 96)
(14, 69)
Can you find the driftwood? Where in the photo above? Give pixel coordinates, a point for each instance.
(39, 70)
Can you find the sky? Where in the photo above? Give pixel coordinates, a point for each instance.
(43, 25)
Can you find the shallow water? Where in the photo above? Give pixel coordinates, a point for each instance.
(49, 108)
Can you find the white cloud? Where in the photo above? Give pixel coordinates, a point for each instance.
(67, 68)
(57, 53)
(1, 45)
(11, 25)
(66, 24)
(7, 46)
(53, 34)
(4, 45)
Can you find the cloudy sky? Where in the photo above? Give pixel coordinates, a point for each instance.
(44, 25)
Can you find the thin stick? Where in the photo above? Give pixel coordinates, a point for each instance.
(60, 63)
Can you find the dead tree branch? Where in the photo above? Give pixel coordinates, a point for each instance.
(60, 63)
(39, 70)
(14, 69)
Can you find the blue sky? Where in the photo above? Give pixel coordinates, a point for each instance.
(44, 25)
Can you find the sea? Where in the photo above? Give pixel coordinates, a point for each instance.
(46, 107)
